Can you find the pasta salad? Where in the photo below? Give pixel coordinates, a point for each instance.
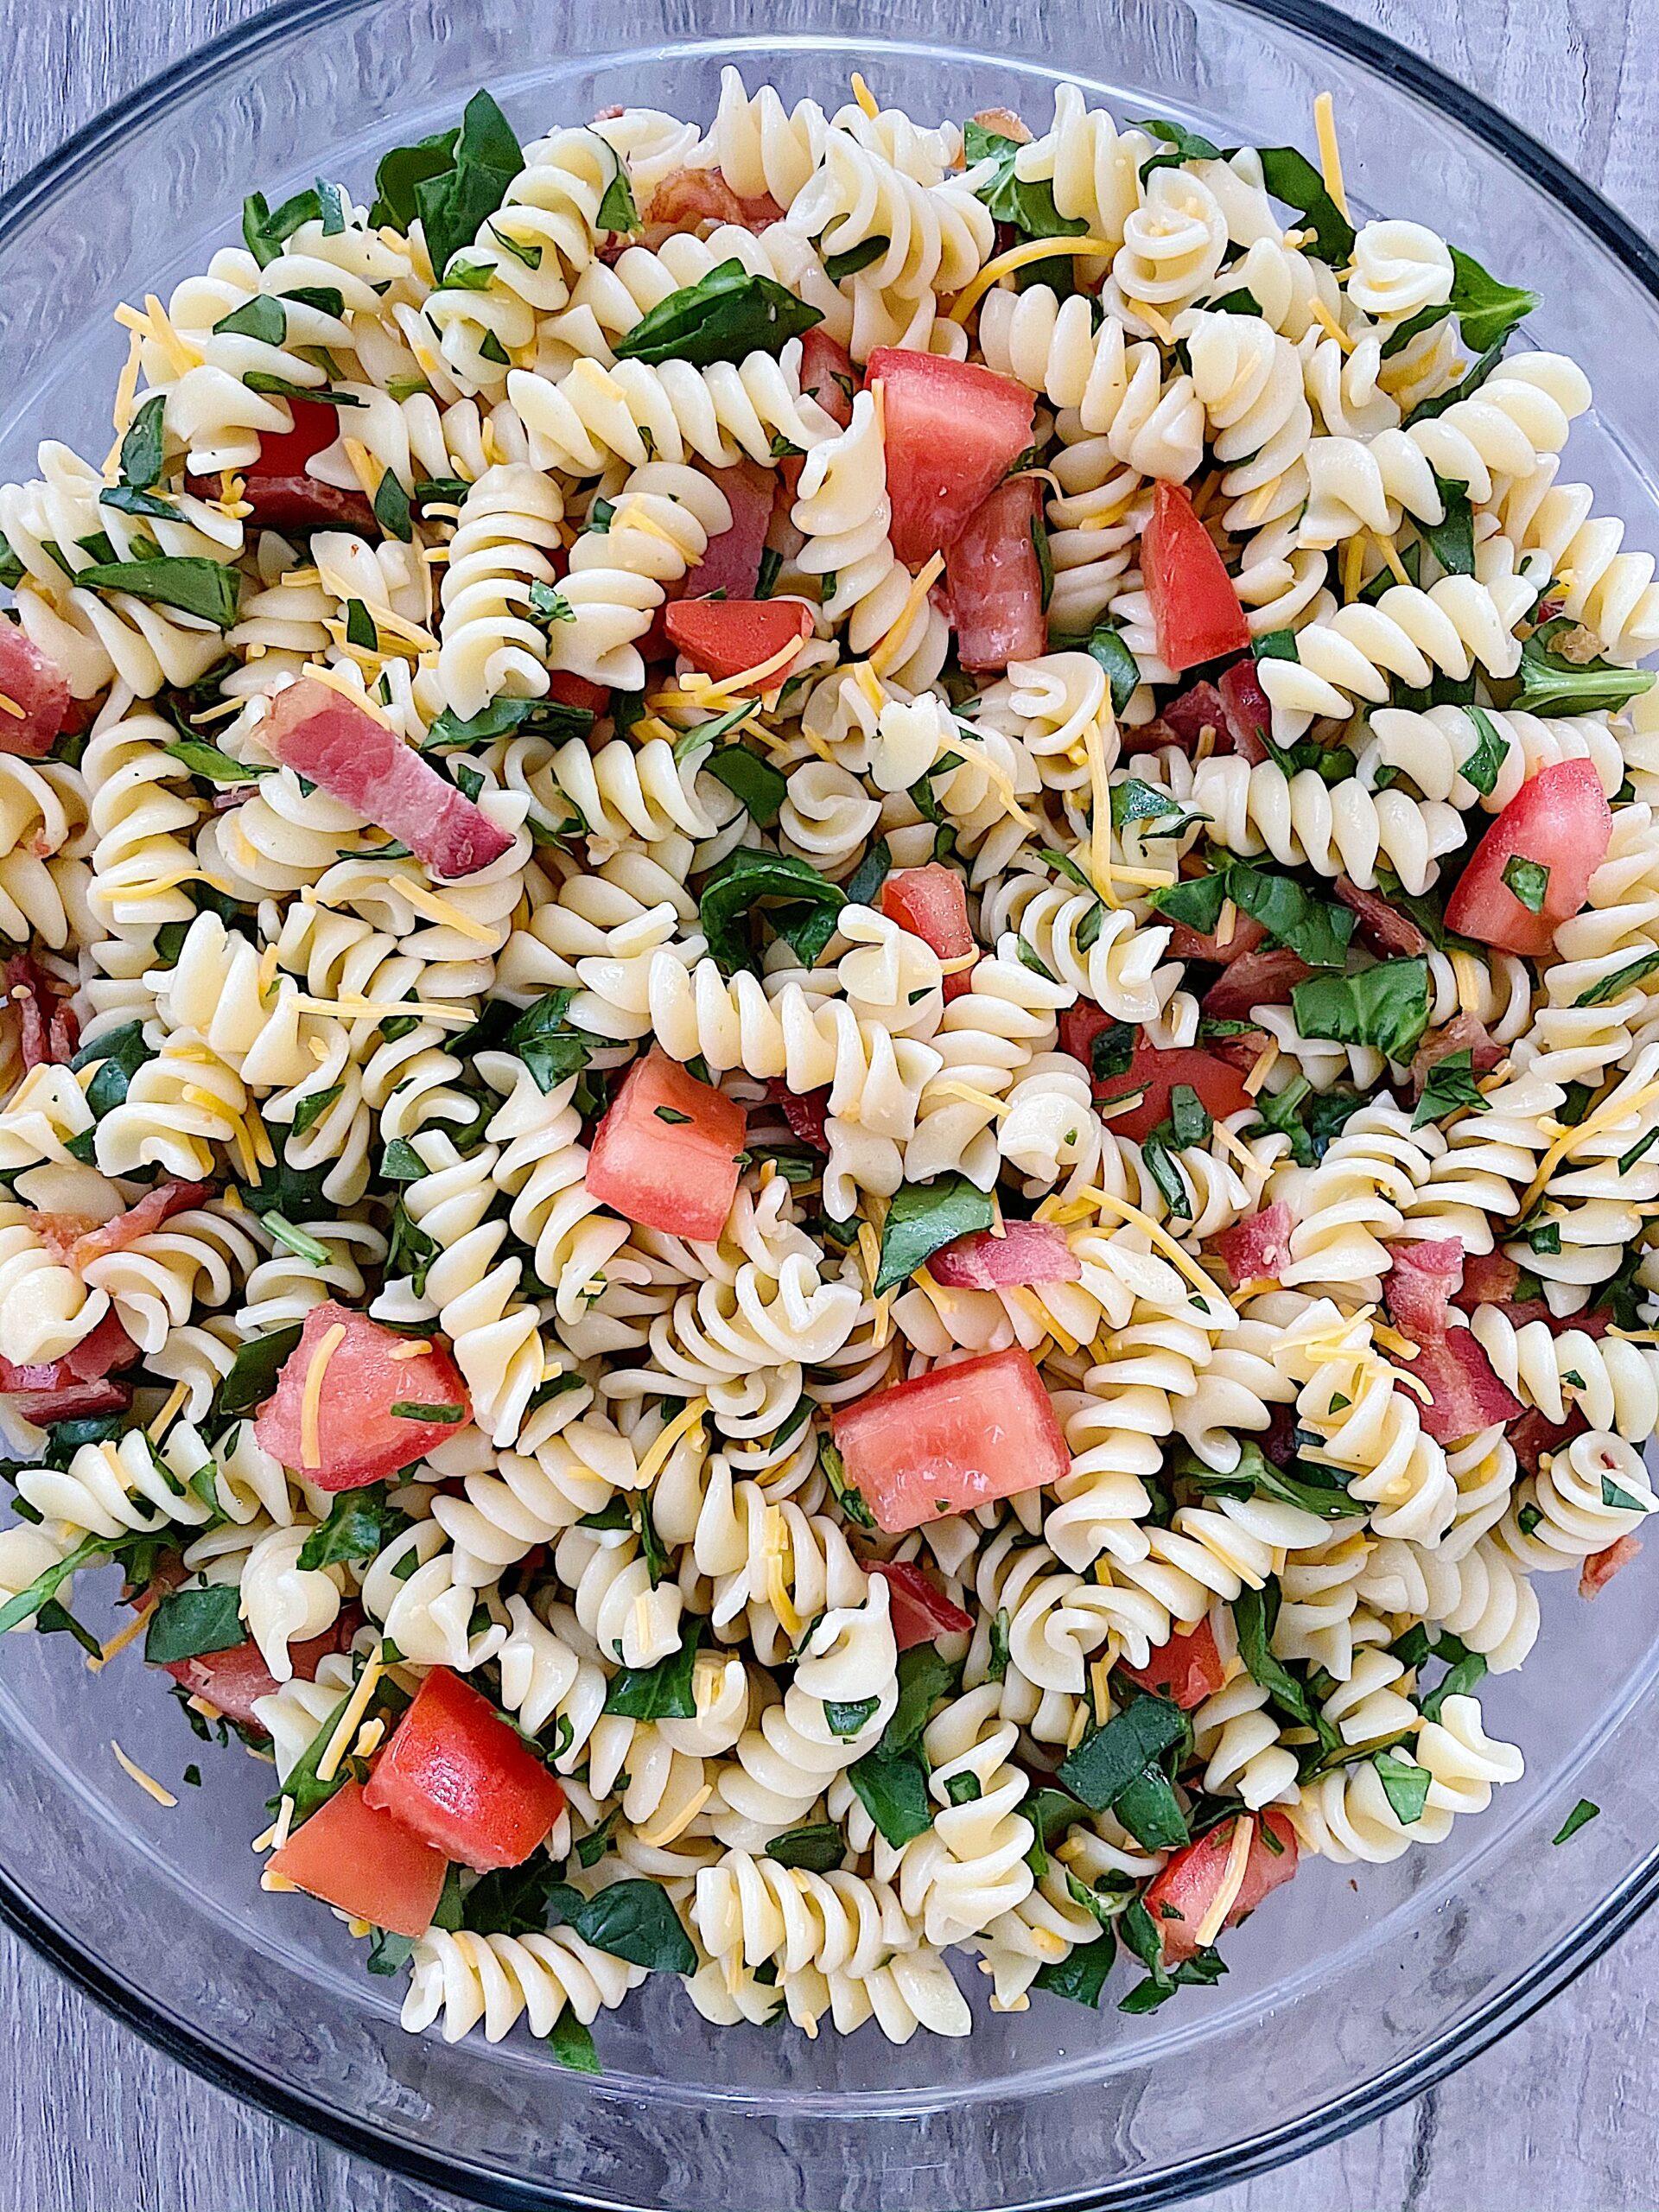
(831, 1058)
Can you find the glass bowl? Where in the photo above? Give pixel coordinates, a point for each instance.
(1344, 1997)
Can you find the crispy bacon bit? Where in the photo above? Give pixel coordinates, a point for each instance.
(1264, 977)
(1249, 710)
(689, 197)
(803, 1110)
(1383, 928)
(1488, 1279)
(70, 1237)
(39, 704)
(1422, 1282)
(1279, 1441)
(1006, 124)
(1030, 1251)
(1241, 1051)
(1601, 1567)
(1534, 1436)
(1256, 1249)
(50, 1028)
(70, 1402)
(1186, 717)
(1463, 1033)
(1467, 1394)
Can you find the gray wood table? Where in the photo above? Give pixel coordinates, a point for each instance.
(1565, 2112)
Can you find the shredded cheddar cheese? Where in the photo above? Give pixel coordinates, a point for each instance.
(893, 642)
(1232, 1881)
(351, 1719)
(1021, 256)
(864, 96)
(147, 1782)
(134, 1629)
(311, 1403)
(1324, 123)
(683, 1424)
(677, 1823)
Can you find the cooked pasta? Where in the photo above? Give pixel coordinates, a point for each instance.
(636, 1146)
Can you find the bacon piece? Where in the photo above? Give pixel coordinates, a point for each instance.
(803, 1110)
(1249, 710)
(1534, 1436)
(50, 1028)
(71, 1401)
(1422, 1282)
(356, 759)
(1005, 122)
(1383, 928)
(1256, 1249)
(1467, 1394)
(731, 563)
(1265, 977)
(688, 197)
(68, 1237)
(1241, 1051)
(1463, 1033)
(1248, 936)
(35, 701)
(1029, 1251)
(1279, 1439)
(1601, 1567)
(1201, 707)
(1488, 1279)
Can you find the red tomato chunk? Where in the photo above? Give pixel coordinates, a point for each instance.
(1195, 609)
(232, 1680)
(456, 1776)
(1155, 1072)
(282, 494)
(665, 1154)
(365, 1862)
(1558, 820)
(952, 1439)
(729, 637)
(1187, 1669)
(921, 1612)
(359, 1438)
(995, 579)
(1192, 1881)
(931, 903)
(953, 431)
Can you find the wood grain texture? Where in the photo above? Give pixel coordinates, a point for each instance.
(1565, 2112)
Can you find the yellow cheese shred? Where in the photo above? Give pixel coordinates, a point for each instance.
(677, 1823)
(134, 1629)
(438, 908)
(1159, 1236)
(1021, 256)
(864, 96)
(350, 1720)
(682, 1424)
(310, 1406)
(1608, 1115)
(1232, 1881)
(1325, 124)
(893, 642)
(147, 1782)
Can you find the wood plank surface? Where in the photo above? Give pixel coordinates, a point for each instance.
(1564, 2113)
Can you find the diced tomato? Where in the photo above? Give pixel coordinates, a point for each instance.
(281, 493)
(1178, 1898)
(50, 1028)
(35, 701)
(1248, 707)
(665, 1154)
(70, 1239)
(1155, 1072)
(1463, 1033)
(460, 1778)
(731, 563)
(1186, 944)
(805, 1111)
(359, 761)
(1488, 1279)
(953, 431)
(827, 373)
(1383, 928)
(1466, 1391)
(687, 197)
(1422, 1282)
(931, 903)
(1243, 1051)
(230, 1680)
(729, 637)
(1559, 819)
(1026, 1252)
(565, 689)
(996, 578)
(1195, 609)
(1256, 1249)
(952, 1439)
(359, 1437)
(921, 1611)
(1601, 1567)
(1186, 1668)
(1265, 976)
(365, 1863)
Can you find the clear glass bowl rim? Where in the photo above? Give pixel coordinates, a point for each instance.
(1424, 2067)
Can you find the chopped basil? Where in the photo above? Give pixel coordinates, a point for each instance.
(631, 1919)
(996, 1667)
(456, 202)
(320, 395)
(923, 1216)
(1452, 540)
(1111, 1050)
(1551, 685)
(1480, 770)
(1104, 644)
(846, 1494)
(1449, 1087)
(1621, 979)
(297, 1241)
(725, 316)
(359, 1524)
(360, 627)
(261, 317)
(1580, 1817)
(847, 1717)
(1618, 1498)
(701, 735)
(1290, 176)
(572, 2043)
(1313, 1488)
(732, 888)
(143, 448)
(1110, 1759)
(1385, 1006)
(251, 1379)
(188, 1622)
(391, 508)
(1458, 1683)
(1405, 1787)
(761, 787)
(194, 586)
(206, 761)
(1255, 1612)
(663, 1692)
(671, 1114)
(1027, 206)
(1317, 930)
(117, 1056)
(1186, 145)
(1133, 801)
(410, 1409)
(819, 1848)
(1528, 880)
(547, 1043)
(1430, 411)
(1082, 1974)
(312, 1108)
(1196, 902)
(616, 210)
(837, 265)
(502, 717)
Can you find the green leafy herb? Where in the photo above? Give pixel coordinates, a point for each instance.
(733, 886)
(207, 589)
(1107, 1761)
(188, 1623)
(616, 210)
(1290, 176)
(631, 1919)
(1255, 1612)
(1480, 770)
(1452, 540)
(923, 1216)
(1184, 145)
(848, 1716)
(725, 316)
(1430, 411)
(392, 510)
(549, 1047)
(846, 1494)
(1145, 1939)
(502, 717)
(1613, 986)
(1151, 1813)
(1458, 1683)
(819, 1848)
(1316, 929)
(144, 447)
(572, 2044)
(312, 1108)
(1111, 1050)
(456, 202)
(1026, 206)
(412, 1410)
(359, 1524)
(118, 1055)
(266, 230)
(251, 1379)
(837, 265)
(1449, 1087)
(1133, 801)
(1620, 1498)
(1580, 1817)
(997, 1666)
(1196, 901)
(206, 761)
(1552, 684)
(1406, 1787)
(1082, 1974)
(1487, 310)
(892, 1789)
(1528, 880)
(261, 317)
(663, 1692)
(761, 787)
(1105, 644)
(297, 1241)
(1257, 1476)
(1386, 1007)
(360, 627)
